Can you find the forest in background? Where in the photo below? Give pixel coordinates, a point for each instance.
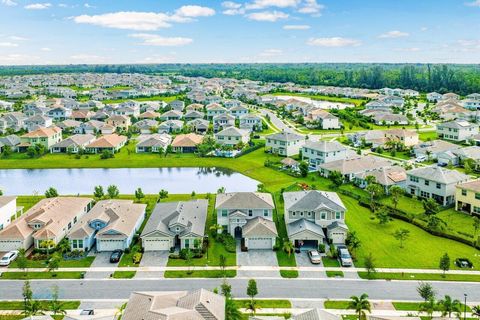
(461, 79)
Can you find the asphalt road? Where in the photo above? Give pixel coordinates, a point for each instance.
(268, 288)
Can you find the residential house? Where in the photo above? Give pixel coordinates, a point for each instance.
(215, 109)
(149, 115)
(316, 153)
(69, 125)
(434, 97)
(37, 121)
(11, 141)
(467, 197)
(186, 143)
(232, 136)
(384, 176)
(284, 143)
(73, 144)
(322, 119)
(238, 111)
(44, 136)
(456, 156)
(314, 216)
(195, 107)
(89, 127)
(122, 122)
(8, 208)
(431, 149)
(146, 126)
(49, 219)
(251, 122)
(177, 105)
(81, 115)
(408, 138)
(154, 143)
(175, 224)
(458, 131)
(195, 305)
(350, 166)
(223, 121)
(385, 118)
(193, 114)
(170, 126)
(110, 142)
(59, 113)
(110, 225)
(435, 182)
(171, 115)
(248, 216)
(13, 121)
(199, 125)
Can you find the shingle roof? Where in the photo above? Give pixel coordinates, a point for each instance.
(258, 227)
(301, 225)
(244, 200)
(285, 136)
(187, 140)
(312, 200)
(438, 174)
(325, 146)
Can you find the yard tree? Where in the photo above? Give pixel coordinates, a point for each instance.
(27, 291)
(376, 191)
(6, 151)
(221, 190)
(444, 263)
(431, 207)
(288, 247)
(162, 194)
(98, 192)
(113, 191)
(51, 193)
(425, 290)
(361, 305)
(476, 311)
(231, 310)
(193, 194)
(476, 227)
(448, 305)
(189, 258)
(352, 242)
(383, 216)
(401, 235)
(222, 261)
(56, 306)
(252, 289)
(47, 245)
(54, 263)
(428, 306)
(226, 289)
(22, 261)
(303, 167)
(336, 178)
(139, 195)
(396, 192)
(370, 264)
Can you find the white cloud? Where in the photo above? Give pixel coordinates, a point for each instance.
(17, 59)
(88, 58)
(8, 3)
(269, 16)
(38, 6)
(423, 29)
(144, 21)
(333, 42)
(45, 49)
(262, 4)
(271, 53)
(413, 49)
(156, 40)
(475, 3)
(8, 45)
(232, 8)
(394, 34)
(296, 27)
(88, 6)
(63, 5)
(311, 7)
(469, 45)
(17, 38)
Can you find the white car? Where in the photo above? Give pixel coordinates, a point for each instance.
(8, 258)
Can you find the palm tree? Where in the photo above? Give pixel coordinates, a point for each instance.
(231, 310)
(476, 311)
(288, 247)
(360, 305)
(252, 306)
(447, 306)
(47, 244)
(428, 306)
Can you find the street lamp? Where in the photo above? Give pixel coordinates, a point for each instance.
(465, 307)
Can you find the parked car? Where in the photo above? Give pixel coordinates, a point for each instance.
(442, 164)
(421, 159)
(87, 312)
(8, 258)
(115, 256)
(344, 257)
(314, 257)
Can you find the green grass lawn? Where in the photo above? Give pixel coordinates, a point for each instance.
(329, 262)
(427, 135)
(19, 305)
(336, 304)
(124, 274)
(415, 306)
(289, 274)
(41, 275)
(200, 274)
(264, 303)
(334, 274)
(355, 102)
(420, 276)
(83, 263)
(283, 258)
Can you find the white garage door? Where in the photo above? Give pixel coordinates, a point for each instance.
(9, 245)
(260, 243)
(338, 237)
(156, 244)
(109, 245)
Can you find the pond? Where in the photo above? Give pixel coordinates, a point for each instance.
(151, 180)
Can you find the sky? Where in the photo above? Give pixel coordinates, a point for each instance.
(252, 31)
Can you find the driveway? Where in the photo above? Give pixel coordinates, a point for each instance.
(152, 259)
(102, 260)
(257, 258)
(304, 261)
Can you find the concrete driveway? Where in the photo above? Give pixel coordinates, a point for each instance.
(102, 260)
(304, 261)
(152, 259)
(257, 258)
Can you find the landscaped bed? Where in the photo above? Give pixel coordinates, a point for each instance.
(201, 274)
(41, 275)
(419, 276)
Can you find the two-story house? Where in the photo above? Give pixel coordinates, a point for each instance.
(317, 153)
(175, 224)
(284, 143)
(44, 136)
(223, 121)
(248, 216)
(314, 216)
(467, 197)
(458, 131)
(37, 121)
(232, 137)
(251, 122)
(122, 122)
(434, 182)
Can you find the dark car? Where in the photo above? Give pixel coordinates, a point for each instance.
(116, 255)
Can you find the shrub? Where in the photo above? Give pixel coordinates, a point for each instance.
(137, 257)
(127, 250)
(321, 248)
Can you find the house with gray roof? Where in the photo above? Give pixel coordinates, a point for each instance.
(198, 125)
(223, 121)
(431, 149)
(73, 144)
(232, 136)
(434, 182)
(316, 153)
(11, 141)
(13, 121)
(353, 165)
(314, 216)
(146, 126)
(384, 176)
(248, 216)
(456, 130)
(175, 224)
(170, 126)
(251, 122)
(153, 142)
(284, 143)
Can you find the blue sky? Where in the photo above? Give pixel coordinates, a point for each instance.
(160, 31)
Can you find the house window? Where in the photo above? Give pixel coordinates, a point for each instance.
(187, 243)
(427, 182)
(74, 244)
(464, 192)
(224, 213)
(265, 213)
(80, 244)
(75, 220)
(250, 213)
(323, 215)
(439, 185)
(337, 215)
(477, 196)
(69, 225)
(476, 209)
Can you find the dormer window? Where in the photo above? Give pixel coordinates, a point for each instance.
(250, 213)
(177, 229)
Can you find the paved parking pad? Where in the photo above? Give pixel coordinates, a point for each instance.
(257, 258)
(102, 260)
(154, 259)
(304, 261)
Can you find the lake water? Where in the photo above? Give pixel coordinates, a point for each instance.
(151, 180)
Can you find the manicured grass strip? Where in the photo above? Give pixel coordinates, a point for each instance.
(246, 316)
(336, 304)
(201, 274)
(419, 276)
(83, 263)
(334, 274)
(330, 263)
(19, 305)
(415, 306)
(41, 275)
(289, 274)
(124, 274)
(243, 303)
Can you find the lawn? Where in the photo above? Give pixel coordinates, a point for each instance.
(19, 305)
(355, 102)
(336, 304)
(420, 276)
(200, 274)
(330, 262)
(264, 303)
(415, 306)
(124, 274)
(427, 135)
(283, 258)
(334, 274)
(41, 275)
(289, 274)
(21, 317)
(83, 263)
(167, 99)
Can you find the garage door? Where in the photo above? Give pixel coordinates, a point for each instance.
(260, 243)
(338, 237)
(9, 245)
(156, 244)
(109, 245)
